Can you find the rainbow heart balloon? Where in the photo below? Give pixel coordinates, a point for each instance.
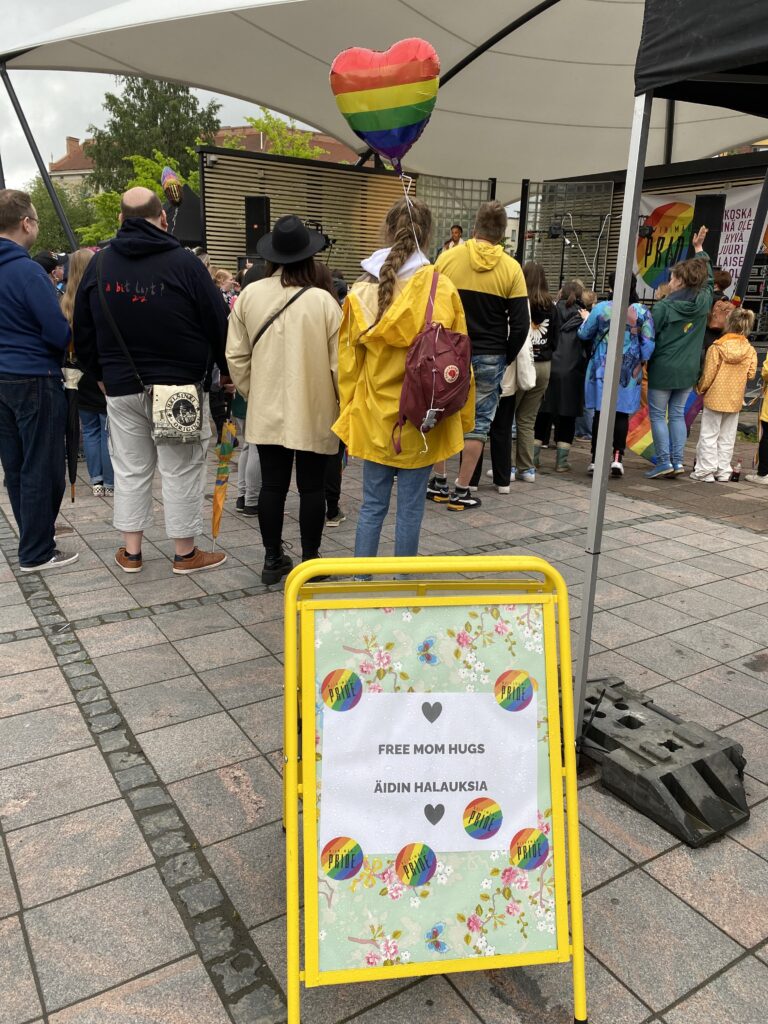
(387, 98)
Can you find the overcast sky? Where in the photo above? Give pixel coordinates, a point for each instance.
(61, 103)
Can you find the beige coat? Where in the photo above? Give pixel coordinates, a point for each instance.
(290, 378)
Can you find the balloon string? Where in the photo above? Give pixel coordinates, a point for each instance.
(409, 206)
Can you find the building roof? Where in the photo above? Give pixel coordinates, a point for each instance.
(75, 160)
(529, 89)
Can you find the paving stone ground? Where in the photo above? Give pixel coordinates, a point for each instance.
(140, 789)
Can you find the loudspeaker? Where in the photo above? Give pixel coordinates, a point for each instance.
(256, 221)
(709, 210)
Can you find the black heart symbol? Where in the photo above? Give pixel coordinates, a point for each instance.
(434, 814)
(431, 711)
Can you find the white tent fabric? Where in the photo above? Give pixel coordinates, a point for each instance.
(551, 100)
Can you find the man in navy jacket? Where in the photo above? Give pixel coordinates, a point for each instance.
(33, 409)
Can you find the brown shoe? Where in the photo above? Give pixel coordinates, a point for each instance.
(128, 563)
(199, 561)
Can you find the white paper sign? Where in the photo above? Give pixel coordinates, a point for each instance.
(405, 767)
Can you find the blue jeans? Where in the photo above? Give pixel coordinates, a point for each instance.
(97, 458)
(669, 441)
(377, 490)
(489, 372)
(33, 416)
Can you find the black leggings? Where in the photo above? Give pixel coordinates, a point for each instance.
(333, 473)
(276, 469)
(762, 450)
(620, 431)
(500, 436)
(565, 428)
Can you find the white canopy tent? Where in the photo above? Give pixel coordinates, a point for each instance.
(551, 97)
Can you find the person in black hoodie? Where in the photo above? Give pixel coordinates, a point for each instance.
(564, 399)
(173, 324)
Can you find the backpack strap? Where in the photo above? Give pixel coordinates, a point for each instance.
(265, 327)
(431, 301)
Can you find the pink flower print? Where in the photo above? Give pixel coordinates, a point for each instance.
(474, 923)
(372, 959)
(514, 877)
(463, 639)
(544, 825)
(390, 949)
(513, 909)
(396, 891)
(366, 668)
(389, 876)
(375, 688)
(387, 611)
(501, 628)
(382, 659)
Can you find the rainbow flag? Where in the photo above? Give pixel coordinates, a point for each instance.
(640, 438)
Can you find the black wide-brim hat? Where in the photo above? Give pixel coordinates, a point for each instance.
(290, 241)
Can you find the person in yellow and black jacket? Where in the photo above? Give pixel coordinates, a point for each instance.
(495, 299)
(383, 314)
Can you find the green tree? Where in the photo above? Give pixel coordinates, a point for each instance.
(76, 207)
(284, 137)
(148, 116)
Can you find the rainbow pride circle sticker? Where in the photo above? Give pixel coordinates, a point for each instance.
(514, 690)
(342, 689)
(528, 849)
(415, 864)
(482, 818)
(341, 858)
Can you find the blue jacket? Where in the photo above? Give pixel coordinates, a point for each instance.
(639, 343)
(33, 331)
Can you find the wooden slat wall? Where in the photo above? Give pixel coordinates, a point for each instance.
(349, 204)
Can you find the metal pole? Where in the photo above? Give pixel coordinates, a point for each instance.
(491, 188)
(755, 238)
(522, 224)
(38, 159)
(669, 132)
(638, 146)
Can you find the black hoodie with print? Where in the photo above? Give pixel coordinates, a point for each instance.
(165, 304)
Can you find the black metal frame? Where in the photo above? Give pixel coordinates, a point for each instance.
(71, 237)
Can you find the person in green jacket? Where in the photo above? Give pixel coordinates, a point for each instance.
(680, 320)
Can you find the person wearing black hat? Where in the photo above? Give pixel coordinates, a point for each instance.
(282, 353)
(53, 265)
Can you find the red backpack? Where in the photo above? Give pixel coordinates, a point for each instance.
(437, 376)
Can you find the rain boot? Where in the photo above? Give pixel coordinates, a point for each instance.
(562, 465)
(536, 453)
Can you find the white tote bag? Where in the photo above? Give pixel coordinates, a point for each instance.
(520, 375)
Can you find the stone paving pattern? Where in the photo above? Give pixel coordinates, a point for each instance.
(140, 758)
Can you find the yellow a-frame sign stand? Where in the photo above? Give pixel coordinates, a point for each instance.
(395, 682)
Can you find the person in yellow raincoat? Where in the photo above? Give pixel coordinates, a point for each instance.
(383, 314)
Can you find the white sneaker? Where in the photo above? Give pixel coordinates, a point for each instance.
(528, 476)
(706, 478)
(591, 469)
(617, 468)
(98, 490)
(489, 472)
(512, 475)
(58, 559)
(754, 478)
(503, 490)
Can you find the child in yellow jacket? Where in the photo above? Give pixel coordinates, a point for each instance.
(730, 363)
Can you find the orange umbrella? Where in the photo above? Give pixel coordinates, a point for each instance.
(225, 449)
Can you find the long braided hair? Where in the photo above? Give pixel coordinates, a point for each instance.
(404, 230)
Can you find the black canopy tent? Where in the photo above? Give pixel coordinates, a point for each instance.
(695, 51)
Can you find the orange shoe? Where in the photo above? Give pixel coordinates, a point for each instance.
(198, 561)
(128, 563)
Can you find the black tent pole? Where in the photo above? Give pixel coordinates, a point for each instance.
(755, 237)
(2, 174)
(38, 159)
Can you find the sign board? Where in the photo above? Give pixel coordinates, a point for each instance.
(671, 217)
(433, 826)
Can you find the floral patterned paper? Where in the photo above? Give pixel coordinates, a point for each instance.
(477, 903)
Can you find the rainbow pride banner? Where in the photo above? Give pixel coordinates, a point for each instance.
(640, 438)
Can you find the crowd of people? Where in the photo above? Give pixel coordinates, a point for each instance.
(312, 373)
